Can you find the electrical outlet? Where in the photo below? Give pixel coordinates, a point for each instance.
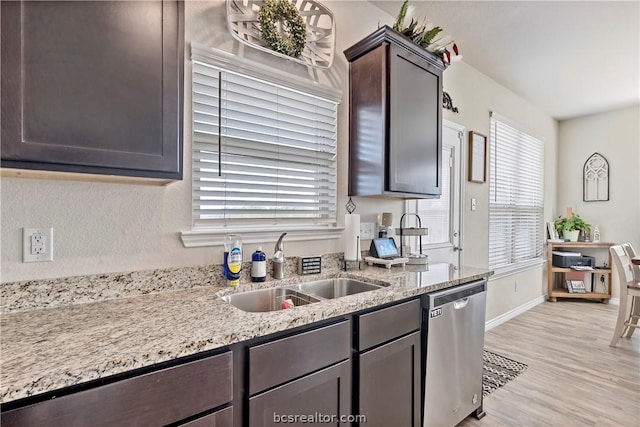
(367, 230)
(37, 244)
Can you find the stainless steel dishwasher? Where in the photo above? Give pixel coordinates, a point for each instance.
(455, 340)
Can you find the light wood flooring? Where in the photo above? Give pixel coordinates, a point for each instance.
(574, 378)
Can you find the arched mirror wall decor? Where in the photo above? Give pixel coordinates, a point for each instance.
(595, 179)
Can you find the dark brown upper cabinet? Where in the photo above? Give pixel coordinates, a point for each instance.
(93, 86)
(395, 140)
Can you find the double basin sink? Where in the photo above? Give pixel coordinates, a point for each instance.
(273, 299)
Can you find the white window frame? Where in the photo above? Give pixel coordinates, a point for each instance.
(214, 232)
(536, 261)
(411, 206)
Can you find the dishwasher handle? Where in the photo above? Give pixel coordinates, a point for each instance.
(461, 303)
(456, 293)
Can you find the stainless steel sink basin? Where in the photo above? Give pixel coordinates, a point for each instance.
(271, 299)
(335, 288)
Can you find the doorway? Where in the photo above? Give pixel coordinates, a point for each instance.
(443, 216)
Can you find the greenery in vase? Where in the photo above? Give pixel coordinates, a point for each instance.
(423, 34)
(571, 224)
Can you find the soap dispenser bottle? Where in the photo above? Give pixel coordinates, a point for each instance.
(258, 265)
(232, 259)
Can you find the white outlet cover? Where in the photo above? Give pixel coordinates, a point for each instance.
(41, 241)
(367, 230)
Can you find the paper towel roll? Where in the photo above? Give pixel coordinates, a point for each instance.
(351, 237)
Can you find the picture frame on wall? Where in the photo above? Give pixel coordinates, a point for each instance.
(477, 157)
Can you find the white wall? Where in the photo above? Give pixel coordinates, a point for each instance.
(102, 227)
(615, 135)
(476, 95)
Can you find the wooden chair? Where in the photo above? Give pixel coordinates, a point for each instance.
(635, 304)
(629, 295)
(631, 253)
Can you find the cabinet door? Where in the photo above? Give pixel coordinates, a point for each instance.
(221, 418)
(282, 360)
(323, 397)
(93, 86)
(387, 324)
(389, 388)
(153, 399)
(415, 125)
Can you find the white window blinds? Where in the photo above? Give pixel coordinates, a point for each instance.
(516, 196)
(436, 214)
(262, 152)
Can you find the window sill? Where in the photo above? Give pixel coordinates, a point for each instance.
(517, 268)
(214, 237)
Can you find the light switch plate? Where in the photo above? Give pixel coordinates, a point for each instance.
(474, 204)
(37, 244)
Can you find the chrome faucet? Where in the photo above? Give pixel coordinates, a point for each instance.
(278, 258)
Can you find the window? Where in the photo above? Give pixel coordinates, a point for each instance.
(436, 214)
(515, 196)
(264, 152)
(441, 216)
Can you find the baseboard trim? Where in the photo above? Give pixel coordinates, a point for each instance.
(614, 301)
(490, 324)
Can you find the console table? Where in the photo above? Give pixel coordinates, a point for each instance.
(553, 271)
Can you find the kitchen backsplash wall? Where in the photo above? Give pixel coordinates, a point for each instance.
(105, 228)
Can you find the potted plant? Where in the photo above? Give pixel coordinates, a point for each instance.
(426, 35)
(570, 227)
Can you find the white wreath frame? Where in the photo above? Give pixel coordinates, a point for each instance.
(319, 50)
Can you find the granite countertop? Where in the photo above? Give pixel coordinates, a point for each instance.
(51, 348)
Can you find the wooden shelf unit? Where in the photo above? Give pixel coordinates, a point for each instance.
(552, 271)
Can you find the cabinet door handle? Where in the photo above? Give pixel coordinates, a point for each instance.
(457, 248)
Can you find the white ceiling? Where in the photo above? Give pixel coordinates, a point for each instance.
(569, 58)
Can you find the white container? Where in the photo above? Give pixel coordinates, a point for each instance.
(352, 237)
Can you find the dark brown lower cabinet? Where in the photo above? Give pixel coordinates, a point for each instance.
(302, 379)
(318, 399)
(221, 418)
(153, 399)
(389, 388)
(389, 380)
(362, 369)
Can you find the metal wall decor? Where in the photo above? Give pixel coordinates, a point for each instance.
(595, 179)
(447, 102)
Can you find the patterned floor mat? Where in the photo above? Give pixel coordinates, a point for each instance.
(497, 371)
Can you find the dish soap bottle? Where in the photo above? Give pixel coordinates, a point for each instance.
(258, 265)
(233, 259)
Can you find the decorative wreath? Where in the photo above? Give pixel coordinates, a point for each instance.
(293, 40)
